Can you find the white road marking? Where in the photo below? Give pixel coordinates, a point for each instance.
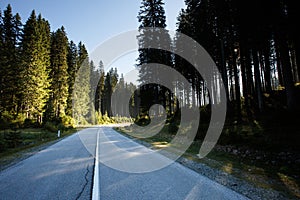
(96, 188)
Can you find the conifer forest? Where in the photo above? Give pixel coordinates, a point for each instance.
(255, 46)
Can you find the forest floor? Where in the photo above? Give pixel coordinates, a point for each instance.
(257, 174)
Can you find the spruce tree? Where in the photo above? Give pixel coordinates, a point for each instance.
(81, 92)
(35, 47)
(72, 60)
(94, 75)
(107, 94)
(10, 74)
(100, 90)
(152, 16)
(58, 74)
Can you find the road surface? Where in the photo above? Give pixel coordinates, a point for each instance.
(65, 170)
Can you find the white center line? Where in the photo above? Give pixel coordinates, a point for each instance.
(96, 188)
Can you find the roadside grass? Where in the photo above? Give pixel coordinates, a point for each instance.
(264, 172)
(17, 143)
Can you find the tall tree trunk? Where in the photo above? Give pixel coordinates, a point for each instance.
(237, 89)
(294, 66)
(224, 70)
(297, 48)
(257, 80)
(244, 79)
(279, 67)
(267, 71)
(287, 72)
(249, 75)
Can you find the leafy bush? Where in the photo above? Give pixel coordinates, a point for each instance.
(68, 121)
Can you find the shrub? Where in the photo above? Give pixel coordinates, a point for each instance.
(68, 121)
(106, 119)
(61, 127)
(18, 122)
(99, 119)
(5, 120)
(83, 121)
(12, 138)
(31, 123)
(3, 144)
(50, 126)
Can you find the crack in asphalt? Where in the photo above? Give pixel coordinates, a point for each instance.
(86, 182)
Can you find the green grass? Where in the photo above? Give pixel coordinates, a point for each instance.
(28, 139)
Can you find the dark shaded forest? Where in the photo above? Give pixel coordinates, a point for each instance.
(255, 46)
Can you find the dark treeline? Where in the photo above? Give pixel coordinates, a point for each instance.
(39, 79)
(254, 44)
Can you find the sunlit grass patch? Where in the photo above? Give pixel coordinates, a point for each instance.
(290, 183)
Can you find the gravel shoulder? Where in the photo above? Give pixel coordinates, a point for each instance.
(239, 185)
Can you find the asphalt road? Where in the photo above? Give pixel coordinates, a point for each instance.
(172, 182)
(65, 171)
(62, 171)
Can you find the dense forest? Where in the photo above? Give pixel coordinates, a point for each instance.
(38, 69)
(255, 46)
(50, 86)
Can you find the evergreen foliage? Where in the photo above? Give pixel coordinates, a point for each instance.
(57, 102)
(81, 94)
(35, 64)
(152, 16)
(45, 79)
(72, 60)
(10, 30)
(256, 52)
